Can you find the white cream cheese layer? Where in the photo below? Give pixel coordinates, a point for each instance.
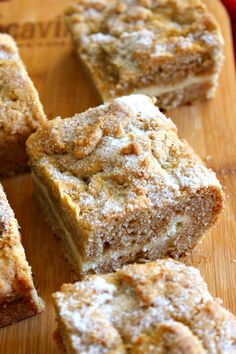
(162, 89)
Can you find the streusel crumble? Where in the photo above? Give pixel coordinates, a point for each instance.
(117, 185)
(156, 308)
(171, 49)
(21, 112)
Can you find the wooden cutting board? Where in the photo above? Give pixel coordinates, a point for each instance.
(65, 90)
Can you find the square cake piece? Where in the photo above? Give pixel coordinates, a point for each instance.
(170, 49)
(21, 112)
(156, 308)
(18, 297)
(117, 184)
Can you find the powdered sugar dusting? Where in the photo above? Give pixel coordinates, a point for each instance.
(6, 55)
(140, 105)
(121, 172)
(6, 214)
(137, 159)
(101, 38)
(165, 293)
(143, 38)
(145, 43)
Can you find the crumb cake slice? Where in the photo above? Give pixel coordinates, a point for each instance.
(18, 297)
(155, 308)
(171, 49)
(117, 184)
(21, 112)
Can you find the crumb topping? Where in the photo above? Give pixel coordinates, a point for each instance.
(117, 158)
(20, 109)
(139, 43)
(153, 308)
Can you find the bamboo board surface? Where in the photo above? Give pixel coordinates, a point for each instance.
(65, 90)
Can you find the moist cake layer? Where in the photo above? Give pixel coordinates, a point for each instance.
(131, 45)
(160, 307)
(179, 234)
(110, 259)
(116, 178)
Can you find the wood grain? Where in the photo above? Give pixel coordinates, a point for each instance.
(65, 89)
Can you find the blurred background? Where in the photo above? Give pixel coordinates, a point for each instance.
(231, 8)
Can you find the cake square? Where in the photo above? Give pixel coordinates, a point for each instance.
(21, 112)
(160, 307)
(18, 297)
(168, 49)
(117, 185)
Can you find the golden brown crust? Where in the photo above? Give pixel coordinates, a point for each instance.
(132, 45)
(21, 112)
(18, 297)
(119, 185)
(156, 308)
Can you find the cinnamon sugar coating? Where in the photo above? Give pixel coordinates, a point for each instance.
(160, 307)
(21, 112)
(18, 297)
(134, 45)
(117, 184)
